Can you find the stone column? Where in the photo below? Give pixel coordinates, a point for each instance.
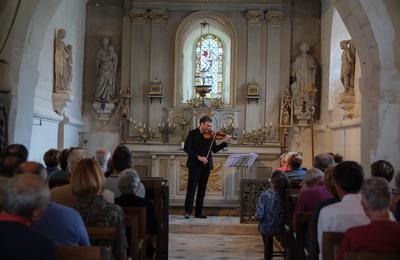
(254, 29)
(157, 60)
(138, 62)
(272, 93)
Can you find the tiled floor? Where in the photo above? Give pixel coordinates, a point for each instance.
(213, 238)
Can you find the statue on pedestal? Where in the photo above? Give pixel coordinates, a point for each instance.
(347, 70)
(106, 67)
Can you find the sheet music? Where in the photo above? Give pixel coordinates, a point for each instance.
(241, 160)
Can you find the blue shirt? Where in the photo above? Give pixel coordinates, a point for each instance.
(63, 225)
(297, 174)
(270, 212)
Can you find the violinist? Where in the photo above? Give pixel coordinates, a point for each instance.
(199, 145)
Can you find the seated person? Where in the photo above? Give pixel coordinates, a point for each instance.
(129, 186)
(347, 213)
(313, 192)
(51, 159)
(295, 172)
(88, 183)
(270, 211)
(382, 234)
(14, 155)
(63, 225)
(384, 169)
(323, 160)
(62, 174)
(102, 156)
(25, 198)
(397, 204)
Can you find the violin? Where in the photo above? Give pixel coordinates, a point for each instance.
(209, 135)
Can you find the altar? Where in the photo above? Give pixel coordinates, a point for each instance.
(223, 188)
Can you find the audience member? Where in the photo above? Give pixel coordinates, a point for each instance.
(270, 211)
(121, 160)
(88, 183)
(337, 157)
(129, 185)
(323, 161)
(283, 161)
(63, 194)
(14, 155)
(102, 156)
(397, 203)
(51, 159)
(63, 225)
(313, 193)
(295, 172)
(26, 197)
(382, 234)
(62, 174)
(348, 212)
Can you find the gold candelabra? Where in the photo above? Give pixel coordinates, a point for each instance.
(166, 129)
(259, 135)
(143, 132)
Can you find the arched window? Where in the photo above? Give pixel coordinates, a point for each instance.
(210, 64)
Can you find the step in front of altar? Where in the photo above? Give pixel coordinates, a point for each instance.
(224, 225)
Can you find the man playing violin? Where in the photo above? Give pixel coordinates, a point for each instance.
(200, 163)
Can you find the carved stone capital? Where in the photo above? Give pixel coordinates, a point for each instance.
(138, 15)
(158, 15)
(60, 100)
(274, 16)
(254, 16)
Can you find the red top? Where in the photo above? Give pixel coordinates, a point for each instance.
(14, 218)
(377, 237)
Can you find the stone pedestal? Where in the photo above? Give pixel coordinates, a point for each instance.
(60, 101)
(104, 111)
(348, 103)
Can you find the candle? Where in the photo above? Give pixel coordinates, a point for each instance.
(163, 124)
(174, 125)
(144, 125)
(266, 124)
(159, 124)
(134, 121)
(130, 119)
(270, 123)
(140, 123)
(169, 124)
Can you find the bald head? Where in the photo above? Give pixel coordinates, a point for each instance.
(34, 168)
(26, 195)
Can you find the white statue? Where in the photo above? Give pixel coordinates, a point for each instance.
(348, 66)
(305, 68)
(106, 66)
(62, 63)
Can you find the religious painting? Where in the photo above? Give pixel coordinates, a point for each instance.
(286, 110)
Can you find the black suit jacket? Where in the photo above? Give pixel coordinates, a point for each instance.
(196, 145)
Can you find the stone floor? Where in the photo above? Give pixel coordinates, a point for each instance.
(213, 238)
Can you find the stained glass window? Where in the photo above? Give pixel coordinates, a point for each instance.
(209, 64)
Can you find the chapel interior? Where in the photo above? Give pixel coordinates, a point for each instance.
(310, 76)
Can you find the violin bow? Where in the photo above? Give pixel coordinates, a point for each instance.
(209, 149)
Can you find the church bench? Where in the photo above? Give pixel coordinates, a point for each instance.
(108, 233)
(330, 244)
(157, 190)
(302, 234)
(83, 253)
(137, 244)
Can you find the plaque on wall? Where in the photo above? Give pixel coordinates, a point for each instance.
(252, 89)
(155, 88)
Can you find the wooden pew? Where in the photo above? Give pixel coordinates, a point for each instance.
(303, 220)
(56, 183)
(137, 246)
(290, 203)
(140, 213)
(370, 256)
(83, 253)
(108, 233)
(157, 191)
(330, 244)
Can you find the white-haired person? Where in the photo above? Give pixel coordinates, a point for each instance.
(312, 193)
(130, 186)
(382, 234)
(25, 198)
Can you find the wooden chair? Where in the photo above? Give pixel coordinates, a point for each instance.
(83, 253)
(370, 256)
(301, 234)
(111, 234)
(330, 243)
(137, 231)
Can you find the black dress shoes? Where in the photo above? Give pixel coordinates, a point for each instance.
(186, 215)
(200, 216)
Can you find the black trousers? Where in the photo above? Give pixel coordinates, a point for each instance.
(198, 178)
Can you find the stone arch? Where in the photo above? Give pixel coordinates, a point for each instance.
(223, 24)
(24, 48)
(372, 31)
